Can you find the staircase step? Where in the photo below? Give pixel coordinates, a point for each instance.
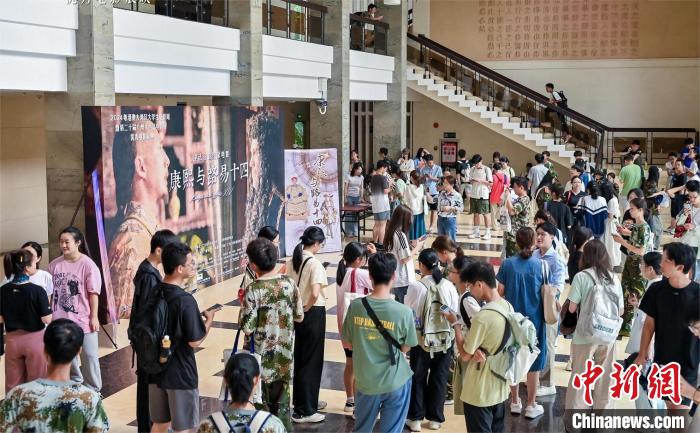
(488, 114)
(467, 103)
(482, 102)
(474, 98)
(478, 108)
(426, 81)
(505, 114)
(511, 125)
(455, 98)
(515, 119)
(539, 130)
(499, 120)
(548, 135)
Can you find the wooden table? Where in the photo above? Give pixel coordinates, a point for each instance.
(355, 213)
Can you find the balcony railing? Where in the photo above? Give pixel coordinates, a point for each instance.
(202, 11)
(295, 19)
(597, 141)
(368, 35)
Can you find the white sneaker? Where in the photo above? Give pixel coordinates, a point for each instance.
(317, 417)
(413, 425)
(487, 235)
(449, 402)
(474, 235)
(533, 412)
(543, 391)
(516, 408)
(434, 425)
(349, 407)
(322, 405)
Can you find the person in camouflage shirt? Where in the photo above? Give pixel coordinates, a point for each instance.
(55, 404)
(271, 306)
(519, 211)
(239, 419)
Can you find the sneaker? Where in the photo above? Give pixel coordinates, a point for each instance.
(349, 407)
(532, 412)
(413, 425)
(434, 425)
(543, 391)
(449, 402)
(322, 405)
(474, 235)
(317, 417)
(516, 408)
(487, 235)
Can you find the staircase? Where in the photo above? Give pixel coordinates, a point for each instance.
(523, 115)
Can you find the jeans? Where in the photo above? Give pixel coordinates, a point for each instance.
(447, 226)
(88, 373)
(351, 227)
(429, 384)
(490, 419)
(393, 407)
(308, 360)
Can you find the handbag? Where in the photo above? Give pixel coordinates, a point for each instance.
(552, 306)
(257, 394)
(567, 320)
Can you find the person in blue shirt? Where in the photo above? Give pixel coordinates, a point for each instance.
(546, 234)
(432, 174)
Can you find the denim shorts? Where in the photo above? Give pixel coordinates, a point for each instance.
(382, 216)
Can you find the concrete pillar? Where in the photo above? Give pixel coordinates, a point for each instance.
(247, 81)
(333, 128)
(390, 115)
(90, 82)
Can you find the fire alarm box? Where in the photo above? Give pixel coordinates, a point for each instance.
(448, 152)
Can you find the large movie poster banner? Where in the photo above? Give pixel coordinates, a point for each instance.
(311, 195)
(212, 175)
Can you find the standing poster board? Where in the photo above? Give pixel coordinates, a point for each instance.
(448, 152)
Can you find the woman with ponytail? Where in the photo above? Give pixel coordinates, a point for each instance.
(242, 376)
(24, 310)
(396, 242)
(430, 370)
(351, 279)
(77, 285)
(447, 250)
(520, 281)
(310, 276)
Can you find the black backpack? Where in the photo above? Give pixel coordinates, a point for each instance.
(564, 102)
(463, 311)
(147, 334)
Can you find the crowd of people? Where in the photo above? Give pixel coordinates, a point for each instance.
(422, 326)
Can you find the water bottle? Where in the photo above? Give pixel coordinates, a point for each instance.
(164, 350)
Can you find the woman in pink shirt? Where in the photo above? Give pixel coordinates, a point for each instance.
(77, 284)
(351, 279)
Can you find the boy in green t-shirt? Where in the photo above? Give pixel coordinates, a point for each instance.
(483, 394)
(382, 374)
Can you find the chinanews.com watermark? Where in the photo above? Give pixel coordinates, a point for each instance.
(613, 420)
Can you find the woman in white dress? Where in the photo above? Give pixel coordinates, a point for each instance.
(613, 248)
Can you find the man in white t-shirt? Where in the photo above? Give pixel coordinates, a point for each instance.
(555, 98)
(481, 180)
(536, 174)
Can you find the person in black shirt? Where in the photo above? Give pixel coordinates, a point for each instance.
(560, 212)
(24, 309)
(580, 236)
(174, 398)
(664, 303)
(146, 278)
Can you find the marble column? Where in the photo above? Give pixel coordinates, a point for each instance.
(333, 128)
(247, 81)
(90, 82)
(390, 115)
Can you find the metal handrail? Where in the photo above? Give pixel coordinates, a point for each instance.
(323, 10)
(360, 18)
(167, 7)
(379, 33)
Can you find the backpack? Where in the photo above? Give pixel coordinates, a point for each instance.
(564, 102)
(255, 425)
(463, 169)
(437, 333)
(463, 311)
(599, 319)
(148, 332)
(518, 349)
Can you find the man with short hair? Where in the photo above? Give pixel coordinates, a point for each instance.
(631, 178)
(556, 98)
(664, 304)
(578, 155)
(558, 274)
(174, 398)
(147, 277)
(272, 304)
(432, 174)
(536, 174)
(689, 219)
(463, 168)
(482, 179)
(518, 209)
(483, 393)
(382, 373)
(55, 403)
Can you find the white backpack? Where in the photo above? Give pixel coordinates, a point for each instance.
(437, 334)
(518, 349)
(599, 318)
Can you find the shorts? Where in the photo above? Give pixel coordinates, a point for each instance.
(382, 216)
(433, 205)
(180, 407)
(348, 352)
(480, 206)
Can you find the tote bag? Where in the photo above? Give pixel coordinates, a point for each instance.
(552, 306)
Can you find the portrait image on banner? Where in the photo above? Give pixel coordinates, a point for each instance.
(212, 175)
(311, 196)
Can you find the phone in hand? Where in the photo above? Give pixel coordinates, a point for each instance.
(215, 307)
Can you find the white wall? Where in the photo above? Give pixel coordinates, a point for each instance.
(159, 55)
(619, 93)
(36, 37)
(370, 74)
(292, 69)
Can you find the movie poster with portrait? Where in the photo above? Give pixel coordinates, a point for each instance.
(311, 196)
(212, 175)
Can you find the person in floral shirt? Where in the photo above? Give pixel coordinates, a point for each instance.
(632, 280)
(271, 306)
(519, 210)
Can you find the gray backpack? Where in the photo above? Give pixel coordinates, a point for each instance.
(599, 318)
(437, 333)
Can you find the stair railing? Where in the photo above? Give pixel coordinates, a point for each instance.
(568, 127)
